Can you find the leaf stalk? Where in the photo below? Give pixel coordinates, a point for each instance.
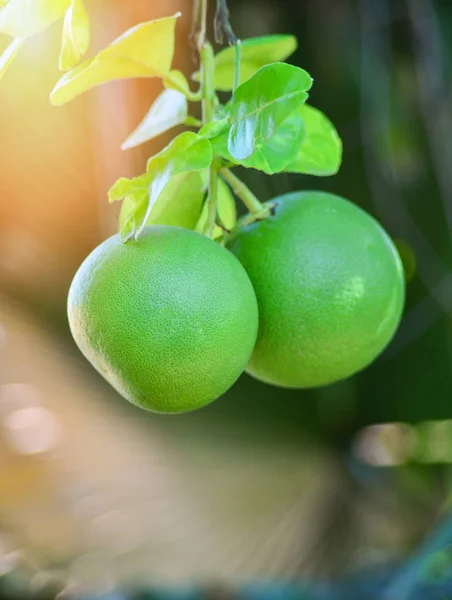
(242, 191)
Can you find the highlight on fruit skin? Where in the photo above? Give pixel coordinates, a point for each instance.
(330, 289)
(170, 320)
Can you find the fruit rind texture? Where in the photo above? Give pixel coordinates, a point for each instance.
(170, 320)
(330, 289)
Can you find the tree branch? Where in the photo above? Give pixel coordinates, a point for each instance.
(222, 24)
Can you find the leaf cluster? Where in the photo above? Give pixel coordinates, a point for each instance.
(265, 125)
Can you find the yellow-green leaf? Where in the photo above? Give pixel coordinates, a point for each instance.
(179, 204)
(169, 110)
(176, 80)
(254, 54)
(8, 55)
(75, 40)
(226, 208)
(187, 152)
(25, 18)
(145, 50)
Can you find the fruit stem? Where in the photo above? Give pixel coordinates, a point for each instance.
(243, 192)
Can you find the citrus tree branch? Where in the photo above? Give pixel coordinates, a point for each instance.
(208, 110)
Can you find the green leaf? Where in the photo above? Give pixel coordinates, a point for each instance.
(215, 128)
(272, 155)
(169, 110)
(25, 18)
(255, 53)
(145, 50)
(219, 141)
(260, 106)
(321, 150)
(227, 211)
(8, 55)
(76, 33)
(187, 152)
(217, 132)
(180, 203)
(306, 142)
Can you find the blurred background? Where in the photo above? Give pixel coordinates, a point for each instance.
(265, 485)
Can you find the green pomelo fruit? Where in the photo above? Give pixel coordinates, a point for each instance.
(170, 320)
(330, 289)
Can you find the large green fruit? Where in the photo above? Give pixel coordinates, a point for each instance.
(329, 285)
(169, 320)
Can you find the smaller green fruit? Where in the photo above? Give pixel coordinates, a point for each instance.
(170, 320)
(330, 289)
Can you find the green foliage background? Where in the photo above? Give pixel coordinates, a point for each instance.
(381, 72)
